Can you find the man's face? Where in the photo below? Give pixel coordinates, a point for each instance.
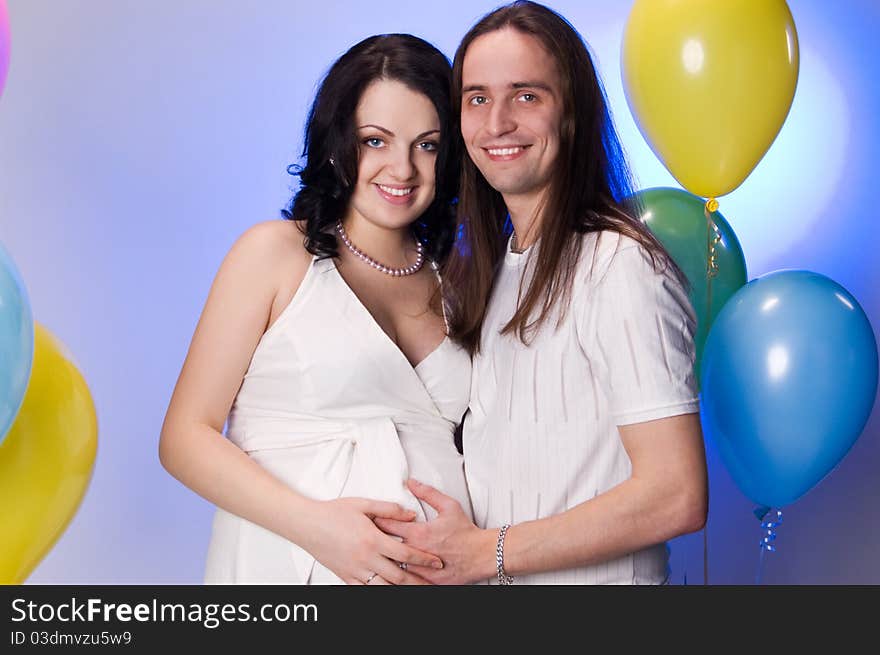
(511, 111)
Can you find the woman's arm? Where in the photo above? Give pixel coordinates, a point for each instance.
(251, 288)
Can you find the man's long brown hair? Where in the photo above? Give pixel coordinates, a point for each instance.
(589, 192)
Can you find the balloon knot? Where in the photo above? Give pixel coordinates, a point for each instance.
(711, 205)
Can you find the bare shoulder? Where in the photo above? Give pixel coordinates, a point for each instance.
(277, 254)
(277, 239)
(271, 251)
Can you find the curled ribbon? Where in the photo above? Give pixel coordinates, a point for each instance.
(713, 237)
(768, 527)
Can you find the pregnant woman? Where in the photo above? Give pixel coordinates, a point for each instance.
(323, 343)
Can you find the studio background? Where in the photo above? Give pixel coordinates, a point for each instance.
(138, 140)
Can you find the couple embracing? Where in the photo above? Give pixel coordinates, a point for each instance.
(460, 256)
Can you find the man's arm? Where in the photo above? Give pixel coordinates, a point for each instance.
(666, 496)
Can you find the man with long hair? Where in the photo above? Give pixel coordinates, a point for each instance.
(583, 450)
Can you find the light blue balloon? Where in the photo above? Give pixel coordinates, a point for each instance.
(789, 380)
(16, 341)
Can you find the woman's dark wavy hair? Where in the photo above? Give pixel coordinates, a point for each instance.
(590, 189)
(331, 132)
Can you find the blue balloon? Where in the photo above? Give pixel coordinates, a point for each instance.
(789, 377)
(16, 341)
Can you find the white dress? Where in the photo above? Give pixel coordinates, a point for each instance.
(541, 435)
(333, 408)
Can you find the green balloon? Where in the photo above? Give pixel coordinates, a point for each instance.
(678, 219)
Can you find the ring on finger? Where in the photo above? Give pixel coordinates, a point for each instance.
(367, 581)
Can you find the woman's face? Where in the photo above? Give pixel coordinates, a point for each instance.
(398, 132)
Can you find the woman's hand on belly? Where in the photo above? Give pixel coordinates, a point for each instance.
(342, 536)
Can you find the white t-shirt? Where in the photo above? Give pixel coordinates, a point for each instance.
(541, 435)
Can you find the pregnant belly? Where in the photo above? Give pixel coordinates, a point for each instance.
(437, 463)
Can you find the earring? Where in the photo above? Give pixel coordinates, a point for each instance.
(332, 161)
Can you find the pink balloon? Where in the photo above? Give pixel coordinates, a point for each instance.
(4, 43)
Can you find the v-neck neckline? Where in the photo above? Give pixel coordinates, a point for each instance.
(381, 330)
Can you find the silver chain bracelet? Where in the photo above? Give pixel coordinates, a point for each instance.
(503, 578)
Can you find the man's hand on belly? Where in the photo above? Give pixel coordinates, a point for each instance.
(468, 552)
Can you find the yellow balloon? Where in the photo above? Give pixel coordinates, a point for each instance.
(46, 460)
(710, 83)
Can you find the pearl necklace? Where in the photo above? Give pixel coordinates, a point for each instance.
(395, 272)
